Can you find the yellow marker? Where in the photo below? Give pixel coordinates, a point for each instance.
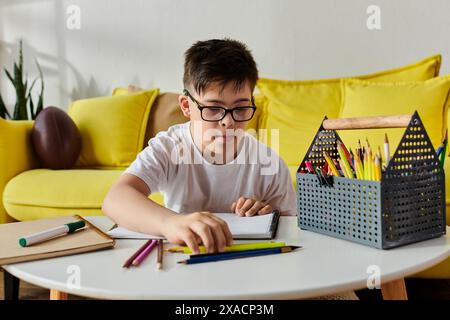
(234, 247)
(331, 164)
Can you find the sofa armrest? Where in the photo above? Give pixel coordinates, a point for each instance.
(16, 155)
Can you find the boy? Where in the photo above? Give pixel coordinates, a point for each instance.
(207, 164)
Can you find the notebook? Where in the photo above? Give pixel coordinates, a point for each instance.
(242, 228)
(87, 239)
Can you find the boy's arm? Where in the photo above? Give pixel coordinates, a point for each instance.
(128, 205)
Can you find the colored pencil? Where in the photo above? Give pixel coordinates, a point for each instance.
(348, 171)
(387, 153)
(347, 154)
(444, 149)
(130, 259)
(377, 167)
(309, 167)
(331, 164)
(352, 159)
(359, 150)
(195, 256)
(160, 255)
(141, 257)
(234, 247)
(366, 166)
(359, 168)
(239, 255)
(343, 168)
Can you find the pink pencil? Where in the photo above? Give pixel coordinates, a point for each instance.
(141, 257)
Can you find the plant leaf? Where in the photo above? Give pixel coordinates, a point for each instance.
(25, 85)
(32, 85)
(41, 76)
(9, 76)
(40, 104)
(20, 56)
(20, 111)
(3, 110)
(31, 107)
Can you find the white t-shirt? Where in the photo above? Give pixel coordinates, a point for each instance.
(173, 165)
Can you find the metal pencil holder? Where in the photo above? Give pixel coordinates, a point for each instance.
(406, 206)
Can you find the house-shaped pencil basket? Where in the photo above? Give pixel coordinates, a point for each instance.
(407, 205)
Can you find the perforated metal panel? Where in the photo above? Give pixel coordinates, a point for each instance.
(407, 205)
(413, 190)
(349, 210)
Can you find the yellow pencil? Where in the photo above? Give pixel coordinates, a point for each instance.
(379, 155)
(375, 173)
(234, 247)
(343, 168)
(377, 168)
(359, 167)
(344, 162)
(366, 167)
(331, 164)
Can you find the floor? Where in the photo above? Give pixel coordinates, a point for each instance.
(418, 289)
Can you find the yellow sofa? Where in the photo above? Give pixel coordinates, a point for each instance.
(30, 192)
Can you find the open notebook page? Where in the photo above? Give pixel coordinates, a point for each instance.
(241, 228)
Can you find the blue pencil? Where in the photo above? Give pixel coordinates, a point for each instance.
(238, 255)
(439, 150)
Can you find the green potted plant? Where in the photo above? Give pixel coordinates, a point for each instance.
(23, 93)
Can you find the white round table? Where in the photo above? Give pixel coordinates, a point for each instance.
(325, 265)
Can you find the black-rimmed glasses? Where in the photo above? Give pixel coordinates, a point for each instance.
(217, 113)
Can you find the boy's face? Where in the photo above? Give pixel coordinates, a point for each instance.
(218, 136)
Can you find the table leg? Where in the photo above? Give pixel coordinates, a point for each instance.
(11, 286)
(58, 295)
(394, 290)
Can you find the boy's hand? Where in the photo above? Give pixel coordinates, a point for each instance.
(197, 228)
(249, 207)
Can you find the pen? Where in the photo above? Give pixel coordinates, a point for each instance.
(50, 233)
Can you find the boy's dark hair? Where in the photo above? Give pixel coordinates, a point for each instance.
(219, 60)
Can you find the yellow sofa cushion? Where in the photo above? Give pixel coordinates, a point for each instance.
(112, 128)
(368, 98)
(44, 193)
(297, 108)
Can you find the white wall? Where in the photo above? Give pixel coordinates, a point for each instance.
(142, 42)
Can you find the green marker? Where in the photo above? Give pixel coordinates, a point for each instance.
(50, 233)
